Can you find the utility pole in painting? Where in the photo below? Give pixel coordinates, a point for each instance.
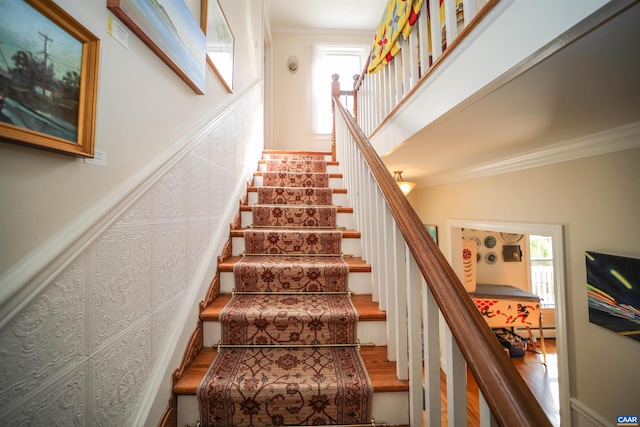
(47, 39)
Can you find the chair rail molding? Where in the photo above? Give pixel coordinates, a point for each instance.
(23, 281)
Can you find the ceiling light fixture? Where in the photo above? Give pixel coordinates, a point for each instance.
(405, 186)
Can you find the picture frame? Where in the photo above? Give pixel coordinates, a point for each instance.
(613, 292)
(171, 32)
(512, 253)
(49, 92)
(433, 232)
(220, 42)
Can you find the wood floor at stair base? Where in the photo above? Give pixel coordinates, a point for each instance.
(389, 407)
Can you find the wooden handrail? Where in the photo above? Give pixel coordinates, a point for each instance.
(509, 398)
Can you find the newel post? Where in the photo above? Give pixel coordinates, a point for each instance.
(335, 92)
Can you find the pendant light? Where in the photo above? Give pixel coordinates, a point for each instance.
(405, 186)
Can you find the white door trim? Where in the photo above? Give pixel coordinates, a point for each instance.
(557, 234)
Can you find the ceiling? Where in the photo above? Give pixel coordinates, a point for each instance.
(589, 86)
(323, 15)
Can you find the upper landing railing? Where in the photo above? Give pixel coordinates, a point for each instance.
(445, 23)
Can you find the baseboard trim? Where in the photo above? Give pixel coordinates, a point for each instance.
(585, 413)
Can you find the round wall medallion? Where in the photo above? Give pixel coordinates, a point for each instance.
(490, 242)
(491, 258)
(511, 238)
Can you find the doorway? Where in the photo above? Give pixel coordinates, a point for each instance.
(455, 228)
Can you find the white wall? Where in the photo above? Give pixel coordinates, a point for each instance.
(102, 268)
(596, 199)
(143, 108)
(501, 272)
(292, 113)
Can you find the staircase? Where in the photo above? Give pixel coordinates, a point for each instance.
(234, 328)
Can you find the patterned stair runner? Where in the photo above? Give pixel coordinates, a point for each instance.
(294, 216)
(288, 353)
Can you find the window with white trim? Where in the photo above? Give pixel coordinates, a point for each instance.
(541, 258)
(329, 59)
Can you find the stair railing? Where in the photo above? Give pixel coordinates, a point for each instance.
(440, 26)
(414, 284)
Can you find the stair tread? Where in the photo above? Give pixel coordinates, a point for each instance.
(341, 209)
(355, 263)
(331, 175)
(254, 189)
(367, 309)
(346, 234)
(328, 162)
(381, 371)
(295, 152)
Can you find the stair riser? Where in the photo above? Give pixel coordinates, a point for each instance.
(349, 247)
(333, 182)
(342, 219)
(369, 332)
(330, 168)
(389, 407)
(339, 199)
(359, 283)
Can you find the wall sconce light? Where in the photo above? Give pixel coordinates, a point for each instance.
(405, 186)
(292, 64)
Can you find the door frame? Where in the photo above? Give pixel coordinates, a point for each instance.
(454, 230)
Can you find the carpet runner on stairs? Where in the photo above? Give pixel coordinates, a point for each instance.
(289, 347)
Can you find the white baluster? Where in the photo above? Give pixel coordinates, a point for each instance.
(399, 284)
(415, 341)
(431, 338)
(456, 370)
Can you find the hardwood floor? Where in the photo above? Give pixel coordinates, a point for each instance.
(541, 379)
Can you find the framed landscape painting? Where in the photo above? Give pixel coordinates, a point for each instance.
(169, 29)
(48, 78)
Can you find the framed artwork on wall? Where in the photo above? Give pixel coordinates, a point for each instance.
(613, 289)
(433, 232)
(220, 42)
(171, 32)
(48, 78)
(512, 253)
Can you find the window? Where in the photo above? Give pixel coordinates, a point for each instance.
(541, 257)
(344, 60)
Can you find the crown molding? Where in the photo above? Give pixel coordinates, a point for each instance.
(617, 139)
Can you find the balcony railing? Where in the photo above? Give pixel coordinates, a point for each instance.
(440, 26)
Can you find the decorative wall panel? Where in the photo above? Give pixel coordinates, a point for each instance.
(120, 282)
(83, 349)
(48, 334)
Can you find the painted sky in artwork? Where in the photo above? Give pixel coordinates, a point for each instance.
(179, 37)
(22, 28)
